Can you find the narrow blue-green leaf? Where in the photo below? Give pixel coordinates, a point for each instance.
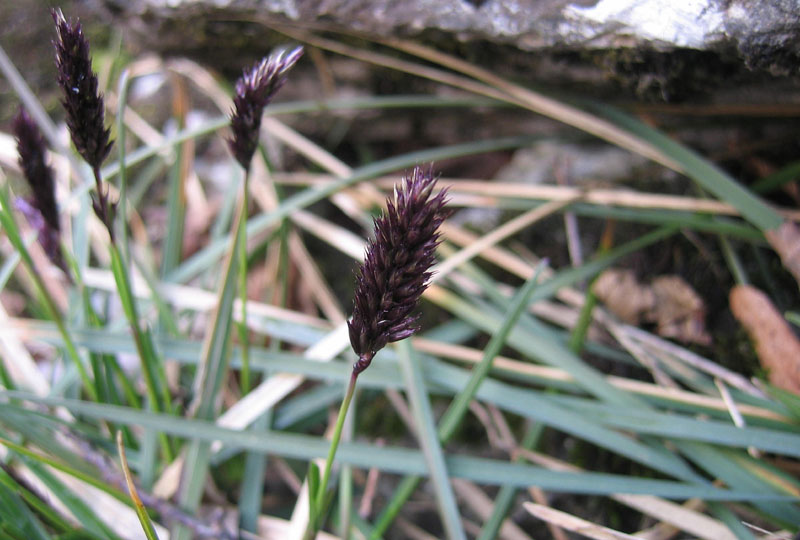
(734, 523)
(542, 408)
(394, 459)
(429, 440)
(193, 480)
(458, 408)
(681, 427)
(252, 489)
(176, 210)
(719, 462)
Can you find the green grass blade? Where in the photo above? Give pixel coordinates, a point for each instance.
(538, 407)
(719, 462)
(17, 518)
(429, 440)
(394, 459)
(76, 506)
(211, 374)
(39, 506)
(706, 174)
(675, 426)
(459, 406)
(141, 512)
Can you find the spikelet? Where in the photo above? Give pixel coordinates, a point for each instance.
(82, 101)
(396, 269)
(254, 90)
(41, 211)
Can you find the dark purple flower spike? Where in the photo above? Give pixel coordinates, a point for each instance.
(41, 210)
(254, 90)
(396, 269)
(84, 106)
(82, 101)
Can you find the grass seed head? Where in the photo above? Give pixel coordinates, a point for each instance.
(42, 210)
(254, 90)
(82, 101)
(396, 268)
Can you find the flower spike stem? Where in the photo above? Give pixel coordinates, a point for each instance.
(319, 497)
(390, 282)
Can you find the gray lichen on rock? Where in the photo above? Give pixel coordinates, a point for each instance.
(754, 28)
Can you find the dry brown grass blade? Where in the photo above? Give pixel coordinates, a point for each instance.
(540, 103)
(574, 523)
(777, 347)
(507, 229)
(264, 194)
(481, 505)
(785, 240)
(494, 87)
(491, 191)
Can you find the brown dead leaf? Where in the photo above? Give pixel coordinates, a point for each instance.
(670, 303)
(785, 240)
(622, 294)
(777, 347)
(679, 312)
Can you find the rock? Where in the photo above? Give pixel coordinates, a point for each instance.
(765, 34)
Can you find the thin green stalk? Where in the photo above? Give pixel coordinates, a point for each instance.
(581, 329)
(244, 335)
(734, 264)
(123, 172)
(345, 501)
(318, 499)
(157, 391)
(211, 373)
